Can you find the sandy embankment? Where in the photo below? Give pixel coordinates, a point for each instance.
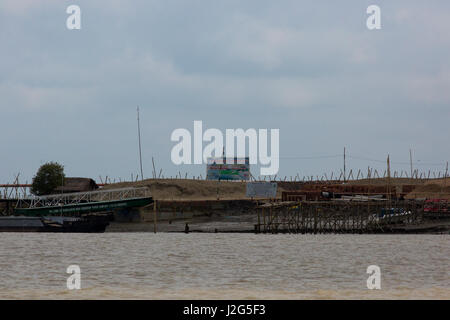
(186, 189)
(190, 190)
(432, 189)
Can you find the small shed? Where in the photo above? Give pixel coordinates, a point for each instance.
(77, 185)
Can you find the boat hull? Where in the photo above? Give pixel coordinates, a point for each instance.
(88, 224)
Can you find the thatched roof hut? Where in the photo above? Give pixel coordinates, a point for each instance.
(77, 185)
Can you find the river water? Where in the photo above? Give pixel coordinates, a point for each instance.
(144, 265)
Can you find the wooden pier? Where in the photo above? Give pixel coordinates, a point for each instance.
(349, 217)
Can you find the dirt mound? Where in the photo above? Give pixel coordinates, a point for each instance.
(185, 189)
(189, 189)
(384, 181)
(432, 189)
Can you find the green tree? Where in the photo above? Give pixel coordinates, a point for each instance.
(49, 176)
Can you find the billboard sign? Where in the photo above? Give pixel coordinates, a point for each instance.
(218, 169)
(261, 189)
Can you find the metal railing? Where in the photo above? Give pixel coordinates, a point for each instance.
(84, 197)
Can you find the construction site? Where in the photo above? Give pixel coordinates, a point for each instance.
(367, 205)
(225, 200)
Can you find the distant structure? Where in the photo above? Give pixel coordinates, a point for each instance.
(77, 185)
(218, 169)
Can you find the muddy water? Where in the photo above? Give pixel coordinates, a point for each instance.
(223, 266)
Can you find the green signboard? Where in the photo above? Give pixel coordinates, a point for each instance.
(218, 169)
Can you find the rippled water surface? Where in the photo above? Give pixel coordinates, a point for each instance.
(223, 266)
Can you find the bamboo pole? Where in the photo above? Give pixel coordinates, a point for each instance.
(154, 216)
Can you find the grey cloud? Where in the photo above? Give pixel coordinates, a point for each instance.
(311, 69)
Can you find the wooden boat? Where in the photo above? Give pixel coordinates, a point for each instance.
(87, 223)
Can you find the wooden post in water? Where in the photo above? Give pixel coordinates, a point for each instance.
(154, 216)
(270, 217)
(315, 220)
(264, 219)
(259, 220)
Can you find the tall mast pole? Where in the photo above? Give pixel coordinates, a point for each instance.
(344, 164)
(410, 162)
(139, 136)
(389, 180)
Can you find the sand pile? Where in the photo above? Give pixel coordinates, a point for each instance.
(433, 189)
(185, 189)
(188, 189)
(384, 181)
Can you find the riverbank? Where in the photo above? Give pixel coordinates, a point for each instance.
(221, 206)
(192, 189)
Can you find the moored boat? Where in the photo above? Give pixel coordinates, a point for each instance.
(88, 223)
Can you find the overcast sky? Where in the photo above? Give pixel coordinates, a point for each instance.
(309, 68)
